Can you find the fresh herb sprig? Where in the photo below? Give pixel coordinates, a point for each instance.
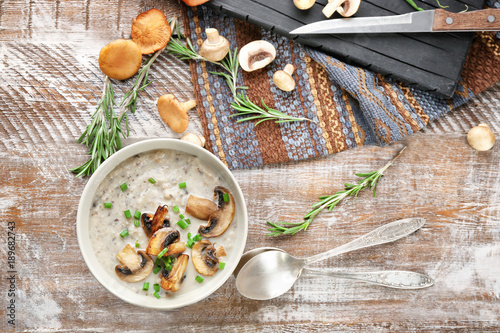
(370, 181)
(246, 108)
(102, 139)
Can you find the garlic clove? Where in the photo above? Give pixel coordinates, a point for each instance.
(481, 137)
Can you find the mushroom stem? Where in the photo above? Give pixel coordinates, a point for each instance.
(332, 7)
(212, 35)
(289, 69)
(188, 105)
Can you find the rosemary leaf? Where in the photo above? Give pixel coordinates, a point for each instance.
(369, 181)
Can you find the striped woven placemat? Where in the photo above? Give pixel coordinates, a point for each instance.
(351, 106)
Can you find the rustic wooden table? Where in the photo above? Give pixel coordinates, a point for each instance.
(50, 82)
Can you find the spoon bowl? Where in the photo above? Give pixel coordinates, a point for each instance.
(249, 255)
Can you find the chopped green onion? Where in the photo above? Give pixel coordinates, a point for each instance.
(181, 216)
(175, 209)
(222, 265)
(137, 214)
(137, 243)
(156, 269)
(156, 287)
(162, 252)
(190, 244)
(108, 205)
(137, 223)
(188, 221)
(124, 187)
(127, 213)
(189, 235)
(152, 180)
(155, 294)
(182, 185)
(124, 233)
(197, 238)
(145, 286)
(182, 224)
(199, 279)
(225, 196)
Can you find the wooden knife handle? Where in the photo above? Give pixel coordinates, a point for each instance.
(478, 20)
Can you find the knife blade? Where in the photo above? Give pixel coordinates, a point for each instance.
(438, 20)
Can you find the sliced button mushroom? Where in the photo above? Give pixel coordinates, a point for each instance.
(134, 266)
(165, 237)
(346, 8)
(204, 259)
(200, 208)
(256, 55)
(219, 221)
(171, 281)
(152, 223)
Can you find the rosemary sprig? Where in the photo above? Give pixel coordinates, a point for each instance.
(102, 141)
(370, 180)
(229, 63)
(103, 133)
(246, 108)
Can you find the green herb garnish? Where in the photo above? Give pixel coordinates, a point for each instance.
(152, 180)
(370, 180)
(127, 213)
(124, 233)
(199, 279)
(145, 286)
(222, 265)
(124, 187)
(137, 214)
(182, 224)
(108, 205)
(162, 252)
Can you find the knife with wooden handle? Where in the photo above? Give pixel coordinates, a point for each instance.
(438, 20)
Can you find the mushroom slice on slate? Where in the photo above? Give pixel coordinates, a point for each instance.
(204, 259)
(134, 266)
(163, 238)
(171, 281)
(152, 223)
(200, 208)
(219, 221)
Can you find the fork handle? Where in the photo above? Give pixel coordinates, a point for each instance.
(391, 279)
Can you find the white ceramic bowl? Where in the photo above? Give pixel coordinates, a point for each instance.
(108, 279)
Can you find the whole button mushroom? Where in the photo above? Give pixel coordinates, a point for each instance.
(256, 55)
(173, 113)
(481, 137)
(346, 8)
(283, 79)
(303, 4)
(215, 47)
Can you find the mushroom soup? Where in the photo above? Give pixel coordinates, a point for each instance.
(138, 215)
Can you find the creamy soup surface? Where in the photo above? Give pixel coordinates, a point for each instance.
(168, 168)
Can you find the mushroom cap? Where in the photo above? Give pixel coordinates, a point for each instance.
(204, 260)
(171, 281)
(481, 137)
(151, 31)
(304, 4)
(194, 139)
(192, 3)
(152, 223)
(349, 8)
(172, 113)
(284, 81)
(256, 55)
(200, 208)
(215, 47)
(133, 266)
(165, 237)
(120, 59)
(219, 221)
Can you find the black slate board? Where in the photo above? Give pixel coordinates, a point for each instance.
(429, 61)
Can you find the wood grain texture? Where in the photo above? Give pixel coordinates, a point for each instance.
(485, 20)
(50, 82)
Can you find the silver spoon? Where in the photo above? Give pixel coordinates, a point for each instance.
(271, 273)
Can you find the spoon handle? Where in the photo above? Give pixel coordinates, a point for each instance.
(384, 234)
(391, 279)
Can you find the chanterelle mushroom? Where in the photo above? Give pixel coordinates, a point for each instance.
(173, 113)
(152, 223)
(283, 79)
(215, 47)
(134, 266)
(219, 221)
(346, 8)
(171, 281)
(200, 208)
(163, 238)
(204, 259)
(256, 55)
